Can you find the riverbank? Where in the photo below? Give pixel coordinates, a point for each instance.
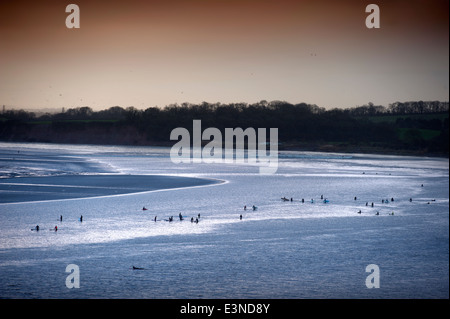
(361, 149)
(96, 138)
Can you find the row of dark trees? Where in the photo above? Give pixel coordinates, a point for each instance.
(119, 113)
(400, 108)
(296, 123)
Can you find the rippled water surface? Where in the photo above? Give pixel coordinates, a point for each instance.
(283, 249)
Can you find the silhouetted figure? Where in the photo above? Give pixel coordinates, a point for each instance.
(137, 268)
(240, 217)
(81, 218)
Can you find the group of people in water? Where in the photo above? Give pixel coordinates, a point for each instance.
(197, 219)
(245, 208)
(37, 228)
(325, 201)
(180, 216)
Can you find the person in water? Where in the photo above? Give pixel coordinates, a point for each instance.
(180, 216)
(81, 218)
(240, 217)
(37, 228)
(56, 228)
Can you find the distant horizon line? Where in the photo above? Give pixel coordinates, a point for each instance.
(62, 109)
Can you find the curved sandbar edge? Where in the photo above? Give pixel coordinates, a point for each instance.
(26, 189)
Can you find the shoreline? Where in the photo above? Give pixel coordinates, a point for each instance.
(284, 146)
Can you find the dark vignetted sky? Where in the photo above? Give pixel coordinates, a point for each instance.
(154, 53)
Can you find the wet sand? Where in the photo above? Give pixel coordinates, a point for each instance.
(28, 189)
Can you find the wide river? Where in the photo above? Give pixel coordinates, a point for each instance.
(304, 248)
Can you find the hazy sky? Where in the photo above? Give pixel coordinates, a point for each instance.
(155, 53)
